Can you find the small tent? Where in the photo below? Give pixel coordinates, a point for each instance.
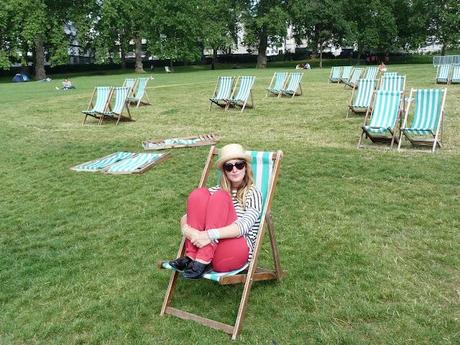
(19, 77)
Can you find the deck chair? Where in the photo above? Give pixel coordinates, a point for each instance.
(266, 166)
(336, 74)
(140, 96)
(136, 164)
(131, 83)
(120, 105)
(380, 123)
(293, 87)
(361, 96)
(426, 126)
(390, 74)
(393, 83)
(240, 97)
(98, 103)
(168, 69)
(353, 80)
(455, 78)
(346, 74)
(222, 91)
(277, 83)
(102, 163)
(200, 140)
(371, 73)
(443, 74)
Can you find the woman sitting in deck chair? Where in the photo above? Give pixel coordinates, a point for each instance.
(221, 223)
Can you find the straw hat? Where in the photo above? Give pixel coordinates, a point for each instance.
(232, 151)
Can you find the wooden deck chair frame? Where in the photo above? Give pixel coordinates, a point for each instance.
(140, 99)
(205, 139)
(140, 169)
(437, 137)
(353, 81)
(270, 89)
(93, 101)
(333, 68)
(214, 100)
(111, 114)
(350, 103)
(232, 103)
(253, 272)
(350, 72)
(132, 87)
(296, 92)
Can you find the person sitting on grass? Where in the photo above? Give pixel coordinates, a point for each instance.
(221, 222)
(66, 85)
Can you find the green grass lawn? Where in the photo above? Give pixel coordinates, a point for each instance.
(370, 238)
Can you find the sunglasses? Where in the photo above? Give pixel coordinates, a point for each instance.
(239, 165)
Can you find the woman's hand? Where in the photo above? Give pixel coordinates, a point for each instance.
(200, 239)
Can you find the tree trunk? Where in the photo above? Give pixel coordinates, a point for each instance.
(320, 55)
(262, 57)
(39, 60)
(122, 55)
(213, 59)
(443, 49)
(139, 67)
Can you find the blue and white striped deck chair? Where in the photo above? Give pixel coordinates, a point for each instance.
(336, 74)
(266, 166)
(277, 83)
(393, 83)
(455, 79)
(241, 93)
(346, 74)
(222, 91)
(443, 74)
(371, 73)
(361, 96)
(426, 125)
(293, 87)
(353, 80)
(131, 83)
(390, 74)
(102, 163)
(98, 103)
(120, 104)
(140, 96)
(380, 123)
(136, 164)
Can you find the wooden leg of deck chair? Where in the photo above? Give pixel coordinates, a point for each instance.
(401, 134)
(275, 252)
(360, 139)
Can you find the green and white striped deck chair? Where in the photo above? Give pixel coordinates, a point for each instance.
(393, 83)
(293, 87)
(222, 91)
(199, 140)
(99, 102)
(120, 105)
(131, 83)
(346, 74)
(136, 164)
(371, 73)
(102, 163)
(455, 79)
(336, 74)
(361, 96)
(380, 123)
(266, 166)
(140, 96)
(426, 125)
(241, 93)
(353, 80)
(390, 74)
(277, 83)
(443, 74)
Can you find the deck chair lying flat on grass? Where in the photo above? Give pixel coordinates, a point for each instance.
(266, 166)
(120, 106)
(336, 74)
(222, 91)
(361, 96)
(140, 96)
(380, 123)
(161, 144)
(455, 79)
(293, 87)
(241, 93)
(100, 164)
(443, 74)
(98, 103)
(426, 126)
(353, 80)
(277, 83)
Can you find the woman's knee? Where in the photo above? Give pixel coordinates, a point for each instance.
(222, 196)
(198, 194)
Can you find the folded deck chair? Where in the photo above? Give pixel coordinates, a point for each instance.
(455, 79)
(336, 74)
(361, 96)
(222, 91)
(393, 83)
(200, 140)
(346, 74)
(426, 125)
(353, 80)
(293, 86)
(380, 123)
(120, 106)
(99, 102)
(140, 96)
(371, 73)
(241, 93)
(131, 83)
(277, 83)
(443, 74)
(136, 164)
(266, 166)
(102, 163)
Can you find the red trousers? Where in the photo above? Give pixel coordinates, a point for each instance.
(210, 211)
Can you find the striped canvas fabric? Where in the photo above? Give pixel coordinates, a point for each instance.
(102, 97)
(280, 80)
(336, 73)
(102, 163)
(364, 93)
(133, 164)
(390, 74)
(428, 104)
(393, 83)
(354, 77)
(121, 94)
(211, 275)
(385, 112)
(142, 84)
(371, 72)
(346, 73)
(129, 82)
(442, 74)
(224, 88)
(244, 90)
(294, 82)
(455, 74)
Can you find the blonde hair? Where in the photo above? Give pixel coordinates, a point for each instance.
(243, 189)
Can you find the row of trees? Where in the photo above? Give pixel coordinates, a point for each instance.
(181, 29)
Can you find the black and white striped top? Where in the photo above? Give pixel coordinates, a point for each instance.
(248, 217)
